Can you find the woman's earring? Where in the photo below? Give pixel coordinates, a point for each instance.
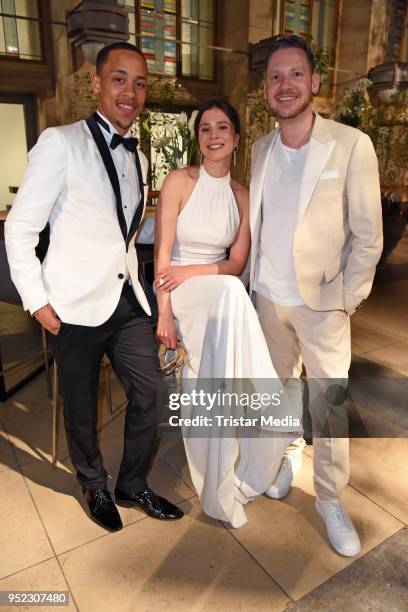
(201, 159)
(234, 155)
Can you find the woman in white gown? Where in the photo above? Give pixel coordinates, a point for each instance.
(201, 213)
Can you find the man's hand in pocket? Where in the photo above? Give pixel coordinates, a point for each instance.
(47, 317)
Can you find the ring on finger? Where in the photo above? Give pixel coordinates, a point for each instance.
(161, 282)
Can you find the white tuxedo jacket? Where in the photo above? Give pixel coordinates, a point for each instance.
(71, 182)
(338, 237)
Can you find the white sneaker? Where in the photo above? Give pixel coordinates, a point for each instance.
(340, 530)
(283, 481)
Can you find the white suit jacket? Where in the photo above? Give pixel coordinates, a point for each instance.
(70, 184)
(338, 237)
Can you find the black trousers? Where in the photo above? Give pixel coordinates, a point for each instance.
(128, 340)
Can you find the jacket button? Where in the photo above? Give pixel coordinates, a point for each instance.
(120, 275)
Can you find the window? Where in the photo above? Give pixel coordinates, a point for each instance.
(296, 17)
(20, 38)
(324, 16)
(158, 29)
(154, 26)
(197, 28)
(312, 19)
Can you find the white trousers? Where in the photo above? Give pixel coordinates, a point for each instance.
(321, 340)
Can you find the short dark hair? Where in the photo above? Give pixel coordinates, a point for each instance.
(226, 108)
(291, 42)
(103, 54)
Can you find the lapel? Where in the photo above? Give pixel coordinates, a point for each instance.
(320, 148)
(140, 208)
(264, 148)
(110, 169)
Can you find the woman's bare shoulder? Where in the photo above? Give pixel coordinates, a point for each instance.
(192, 172)
(181, 177)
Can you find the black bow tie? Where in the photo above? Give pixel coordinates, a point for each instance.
(129, 143)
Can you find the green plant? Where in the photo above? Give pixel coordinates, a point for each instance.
(82, 101)
(322, 61)
(259, 121)
(170, 139)
(387, 127)
(178, 144)
(168, 92)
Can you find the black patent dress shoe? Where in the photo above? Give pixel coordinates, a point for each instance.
(154, 505)
(102, 509)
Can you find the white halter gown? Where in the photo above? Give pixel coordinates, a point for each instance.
(219, 327)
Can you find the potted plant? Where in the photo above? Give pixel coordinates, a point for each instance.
(387, 127)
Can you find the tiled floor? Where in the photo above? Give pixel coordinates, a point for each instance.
(280, 559)
(377, 581)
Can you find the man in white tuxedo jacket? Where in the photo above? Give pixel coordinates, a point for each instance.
(88, 180)
(316, 239)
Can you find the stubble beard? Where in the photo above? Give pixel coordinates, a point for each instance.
(124, 126)
(128, 124)
(291, 114)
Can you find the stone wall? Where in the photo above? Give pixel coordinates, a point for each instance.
(361, 40)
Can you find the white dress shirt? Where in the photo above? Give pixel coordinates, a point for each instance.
(126, 170)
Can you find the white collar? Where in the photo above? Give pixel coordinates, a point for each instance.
(112, 130)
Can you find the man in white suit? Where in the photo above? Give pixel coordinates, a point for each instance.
(316, 239)
(88, 180)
